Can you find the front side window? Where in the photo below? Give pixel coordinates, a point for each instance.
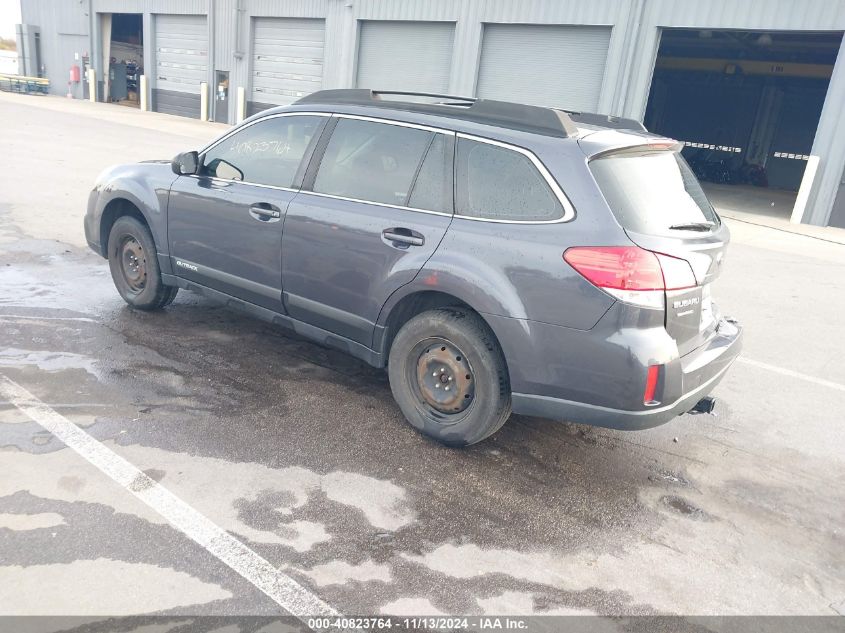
(266, 153)
(497, 183)
(375, 162)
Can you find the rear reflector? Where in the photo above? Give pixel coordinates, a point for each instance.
(651, 384)
(630, 273)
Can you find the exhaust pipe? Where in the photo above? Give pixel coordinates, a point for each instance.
(706, 405)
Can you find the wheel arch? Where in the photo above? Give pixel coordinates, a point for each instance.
(114, 209)
(403, 308)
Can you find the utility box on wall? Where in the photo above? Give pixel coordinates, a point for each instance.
(29, 50)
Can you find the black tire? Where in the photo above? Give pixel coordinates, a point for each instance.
(458, 344)
(134, 266)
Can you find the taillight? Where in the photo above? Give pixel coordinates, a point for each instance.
(677, 273)
(630, 273)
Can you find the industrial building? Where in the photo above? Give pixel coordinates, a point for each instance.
(754, 88)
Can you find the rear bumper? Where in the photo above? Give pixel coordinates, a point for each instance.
(557, 409)
(685, 381)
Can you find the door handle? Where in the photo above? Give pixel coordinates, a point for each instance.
(403, 236)
(265, 212)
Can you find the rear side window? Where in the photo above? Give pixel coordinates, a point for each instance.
(497, 183)
(432, 188)
(266, 153)
(649, 191)
(369, 161)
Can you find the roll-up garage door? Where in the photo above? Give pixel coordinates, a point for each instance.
(550, 65)
(181, 58)
(287, 60)
(410, 56)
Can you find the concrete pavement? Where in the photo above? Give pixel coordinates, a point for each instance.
(300, 454)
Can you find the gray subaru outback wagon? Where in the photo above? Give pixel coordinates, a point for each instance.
(495, 257)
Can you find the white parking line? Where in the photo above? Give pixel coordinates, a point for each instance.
(285, 591)
(793, 374)
(18, 317)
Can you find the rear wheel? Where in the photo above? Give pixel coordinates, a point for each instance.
(449, 377)
(134, 266)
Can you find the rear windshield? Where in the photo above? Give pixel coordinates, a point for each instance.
(650, 191)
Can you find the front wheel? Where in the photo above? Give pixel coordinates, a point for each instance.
(134, 266)
(449, 377)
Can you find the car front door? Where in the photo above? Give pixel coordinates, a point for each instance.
(225, 222)
(375, 204)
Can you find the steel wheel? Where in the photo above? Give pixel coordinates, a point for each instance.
(133, 264)
(443, 381)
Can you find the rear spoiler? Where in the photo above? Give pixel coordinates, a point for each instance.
(605, 120)
(652, 144)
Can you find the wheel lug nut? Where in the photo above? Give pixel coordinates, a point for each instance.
(434, 374)
(447, 388)
(450, 379)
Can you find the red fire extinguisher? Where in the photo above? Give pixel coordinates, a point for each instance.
(74, 73)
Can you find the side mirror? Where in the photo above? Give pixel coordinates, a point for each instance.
(185, 164)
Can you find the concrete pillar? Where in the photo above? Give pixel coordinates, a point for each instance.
(204, 101)
(829, 146)
(800, 208)
(142, 87)
(92, 85)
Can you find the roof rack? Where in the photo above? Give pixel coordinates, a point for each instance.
(515, 116)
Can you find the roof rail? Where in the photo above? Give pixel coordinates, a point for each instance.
(605, 120)
(515, 116)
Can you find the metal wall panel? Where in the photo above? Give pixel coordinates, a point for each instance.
(287, 60)
(152, 6)
(560, 66)
(413, 56)
(627, 76)
(63, 35)
(181, 63)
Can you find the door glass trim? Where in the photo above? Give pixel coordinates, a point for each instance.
(238, 128)
(242, 182)
(568, 209)
(418, 126)
(378, 204)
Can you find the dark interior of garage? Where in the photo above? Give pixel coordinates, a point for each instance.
(126, 47)
(745, 103)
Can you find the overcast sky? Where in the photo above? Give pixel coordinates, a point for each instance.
(10, 14)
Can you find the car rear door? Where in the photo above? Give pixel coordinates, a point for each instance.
(657, 199)
(225, 223)
(374, 207)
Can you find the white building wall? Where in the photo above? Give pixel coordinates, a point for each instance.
(635, 35)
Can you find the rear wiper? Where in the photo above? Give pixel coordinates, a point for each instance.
(693, 226)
